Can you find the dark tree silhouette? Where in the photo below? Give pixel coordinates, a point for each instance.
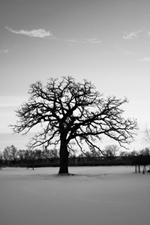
(72, 113)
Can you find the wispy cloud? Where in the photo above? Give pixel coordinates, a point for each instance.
(40, 33)
(85, 41)
(147, 59)
(92, 41)
(4, 51)
(132, 35)
(124, 51)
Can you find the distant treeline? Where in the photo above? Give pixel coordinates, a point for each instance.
(78, 161)
(50, 158)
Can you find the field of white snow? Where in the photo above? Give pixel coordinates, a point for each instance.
(93, 196)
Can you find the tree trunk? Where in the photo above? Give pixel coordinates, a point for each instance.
(63, 158)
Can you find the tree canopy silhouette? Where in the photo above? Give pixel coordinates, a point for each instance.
(71, 115)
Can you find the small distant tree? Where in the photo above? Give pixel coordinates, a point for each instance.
(145, 151)
(37, 154)
(54, 153)
(123, 154)
(146, 137)
(30, 158)
(72, 113)
(95, 152)
(111, 150)
(21, 154)
(133, 153)
(10, 153)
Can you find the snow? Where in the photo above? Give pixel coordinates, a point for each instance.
(93, 196)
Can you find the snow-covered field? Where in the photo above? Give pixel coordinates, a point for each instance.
(94, 196)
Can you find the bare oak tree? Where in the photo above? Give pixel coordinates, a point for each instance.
(70, 114)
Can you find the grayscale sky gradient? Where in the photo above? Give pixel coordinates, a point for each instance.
(104, 41)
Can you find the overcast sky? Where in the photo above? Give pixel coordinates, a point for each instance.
(104, 41)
